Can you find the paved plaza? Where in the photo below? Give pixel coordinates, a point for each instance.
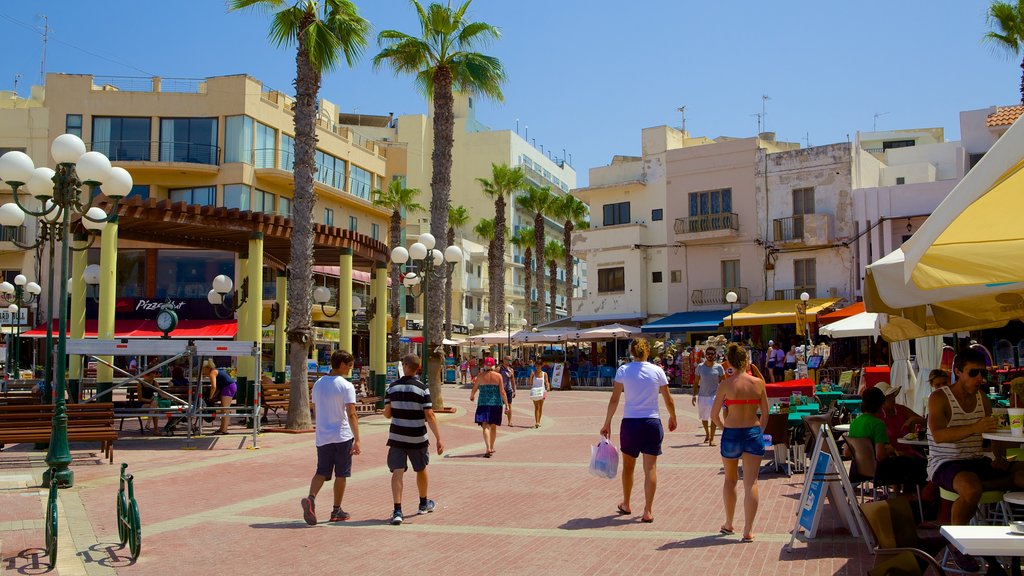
(223, 508)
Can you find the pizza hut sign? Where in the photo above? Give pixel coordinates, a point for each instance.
(156, 305)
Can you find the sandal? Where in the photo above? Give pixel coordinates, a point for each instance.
(725, 531)
(747, 538)
(622, 511)
(647, 520)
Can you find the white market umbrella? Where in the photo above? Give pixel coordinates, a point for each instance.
(864, 324)
(609, 332)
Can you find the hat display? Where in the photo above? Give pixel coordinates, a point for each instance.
(887, 389)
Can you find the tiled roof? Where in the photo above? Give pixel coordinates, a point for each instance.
(1004, 116)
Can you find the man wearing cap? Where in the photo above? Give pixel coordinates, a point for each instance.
(769, 362)
(899, 420)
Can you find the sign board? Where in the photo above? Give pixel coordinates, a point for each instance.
(810, 508)
(413, 324)
(7, 319)
(364, 373)
(845, 379)
(556, 375)
(394, 371)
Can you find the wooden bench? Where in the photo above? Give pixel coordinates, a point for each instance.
(86, 423)
(277, 396)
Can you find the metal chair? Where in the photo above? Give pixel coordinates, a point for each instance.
(894, 532)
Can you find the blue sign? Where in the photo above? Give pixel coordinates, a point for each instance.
(405, 339)
(810, 509)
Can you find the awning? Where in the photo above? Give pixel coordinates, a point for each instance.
(859, 325)
(779, 311)
(608, 317)
(696, 321)
(444, 341)
(187, 329)
(851, 310)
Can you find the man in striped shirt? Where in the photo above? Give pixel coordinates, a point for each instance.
(408, 406)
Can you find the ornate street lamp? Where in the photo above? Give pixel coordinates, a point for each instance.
(224, 301)
(60, 192)
(509, 309)
(18, 295)
(426, 258)
(731, 297)
(804, 298)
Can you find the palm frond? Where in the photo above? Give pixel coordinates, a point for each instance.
(1007, 21)
(478, 34)
(476, 73)
(261, 6)
(485, 229)
(285, 27)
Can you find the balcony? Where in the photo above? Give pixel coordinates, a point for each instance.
(177, 153)
(803, 229)
(606, 238)
(794, 293)
(716, 296)
(721, 225)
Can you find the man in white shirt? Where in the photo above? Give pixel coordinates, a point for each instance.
(337, 435)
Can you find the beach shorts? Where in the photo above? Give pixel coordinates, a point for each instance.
(738, 441)
(704, 407)
(229, 391)
(488, 415)
(335, 457)
(947, 471)
(398, 458)
(641, 436)
(508, 396)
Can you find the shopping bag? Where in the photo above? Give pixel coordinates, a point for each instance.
(604, 459)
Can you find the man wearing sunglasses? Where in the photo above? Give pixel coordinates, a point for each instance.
(957, 417)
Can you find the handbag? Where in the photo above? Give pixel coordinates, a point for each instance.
(538, 393)
(604, 459)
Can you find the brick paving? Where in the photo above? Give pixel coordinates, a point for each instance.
(531, 509)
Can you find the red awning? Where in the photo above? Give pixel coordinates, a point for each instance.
(851, 310)
(187, 329)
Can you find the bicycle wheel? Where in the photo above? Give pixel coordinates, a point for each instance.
(51, 528)
(135, 534)
(122, 518)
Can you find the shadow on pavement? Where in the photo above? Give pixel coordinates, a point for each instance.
(302, 524)
(700, 542)
(602, 522)
(108, 554)
(166, 443)
(28, 561)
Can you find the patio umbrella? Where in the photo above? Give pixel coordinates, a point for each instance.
(863, 324)
(976, 235)
(929, 356)
(611, 331)
(902, 373)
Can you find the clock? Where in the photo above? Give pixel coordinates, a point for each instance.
(167, 321)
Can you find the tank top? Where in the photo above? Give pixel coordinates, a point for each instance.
(538, 382)
(965, 449)
(490, 395)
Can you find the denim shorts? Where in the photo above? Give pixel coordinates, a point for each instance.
(641, 435)
(336, 458)
(738, 441)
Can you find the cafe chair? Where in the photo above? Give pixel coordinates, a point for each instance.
(778, 429)
(863, 472)
(898, 547)
(992, 508)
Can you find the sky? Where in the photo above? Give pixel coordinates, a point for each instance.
(586, 76)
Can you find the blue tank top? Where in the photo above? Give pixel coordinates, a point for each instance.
(490, 395)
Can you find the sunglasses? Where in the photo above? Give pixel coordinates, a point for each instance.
(974, 372)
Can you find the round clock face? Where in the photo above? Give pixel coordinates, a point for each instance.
(166, 320)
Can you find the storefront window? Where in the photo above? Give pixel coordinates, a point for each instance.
(131, 272)
(190, 273)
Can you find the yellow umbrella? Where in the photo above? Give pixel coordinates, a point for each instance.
(976, 235)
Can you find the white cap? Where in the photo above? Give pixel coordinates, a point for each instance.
(770, 342)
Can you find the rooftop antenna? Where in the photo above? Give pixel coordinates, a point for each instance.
(874, 122)
(16, 78)
(682, 111)
(807, 140)
(517, 126)
(42, 65)
(759, 118)
(764, 111)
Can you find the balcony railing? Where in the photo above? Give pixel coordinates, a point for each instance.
(144, 151)
(12, 233)
(794, 293)
(789, 229)
(715, 296)
(708, 223)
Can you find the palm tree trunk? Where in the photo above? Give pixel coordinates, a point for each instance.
(440, 199)
(567, 242)
(492, 258)
(528, 282)
(307, 85)
(553, 285)
(498, 282)
(538, 252)
(394, 301)
(448, 289)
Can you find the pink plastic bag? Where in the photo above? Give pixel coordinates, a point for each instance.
(604, 459)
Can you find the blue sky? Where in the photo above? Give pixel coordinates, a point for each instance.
(587, 76)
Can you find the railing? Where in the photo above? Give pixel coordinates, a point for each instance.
(150, 84)
(714, 296)
(12, 233)
(794, 293)
(142, 151)
(708, 223)
(789, 229)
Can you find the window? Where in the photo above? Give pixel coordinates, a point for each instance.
(353, 224)
(330, 170)
(611, 280)
(204, 196)
(237, 196)
(121, 139)
(238, 139)
(375, 231)
(711, 202)
(266, 146)
(359, 182)
(284, 207)
(675, 276)
(262, 201)
(803, 201)
(656, 277)
(410, 304)
(897, 144)
(73, 124)
(657, 214)
(287, 152)
(804, 276)
(616, 214)
(190, 140)
(328, 216)
(469, 302)
(730, 274)
(139, 191)
(479, 303)
(469, 268)
(131, 272)
(900, 180)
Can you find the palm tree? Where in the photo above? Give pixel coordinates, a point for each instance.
(554, 252)
(574, 212)
(523, 239)
(484, 230)
(400, 200)
(538, 201)
(442, 60)
(323, 32)
(504, 182)
(1007, 19)
(457, 218)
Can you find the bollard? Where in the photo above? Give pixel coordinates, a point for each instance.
(51, 522)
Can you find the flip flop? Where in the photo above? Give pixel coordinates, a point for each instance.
(726, 531)
(647, 520)
(487, 455)
(622, 511)
(747, 538)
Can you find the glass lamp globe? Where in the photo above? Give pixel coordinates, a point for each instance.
(509, 309)
(357, 302)
(118, 183)
(67, 148)
(16, 168)
(416, 280)
(33, 288)
(6, 288)
(400, 255)
(95, 213)
(20, 280)
(408, 282)
(54, 213)
(40, 184)
(223, 284)
(11, 215)
(805, 296)
(93, 168)
(731, 297)
(453, 254)
(418, 251)
(427, 240)
(470, 326)
(213, 297)
(321, 295)
(438, 257)
(13, 309)
(92, 274)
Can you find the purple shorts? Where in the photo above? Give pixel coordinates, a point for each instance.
(488, 415)
(641, 435)
(229, 391)
(982, 467)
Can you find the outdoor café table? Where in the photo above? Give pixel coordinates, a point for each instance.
(1003, 437)
(853, 405)
(987, 541)
(914, 442)
(826, 398)
(806, 408)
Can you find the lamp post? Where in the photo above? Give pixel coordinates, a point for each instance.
(805, 297)
(222, 293)
(19, 295)
(731, 297)
(427, 259)
(509, 309)
(60, 192)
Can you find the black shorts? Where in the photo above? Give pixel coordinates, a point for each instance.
(945, 473)
(336, 458)
(641, 435)
(398, 458)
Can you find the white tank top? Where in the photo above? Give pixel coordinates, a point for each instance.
(538, 382)
(965, 449)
